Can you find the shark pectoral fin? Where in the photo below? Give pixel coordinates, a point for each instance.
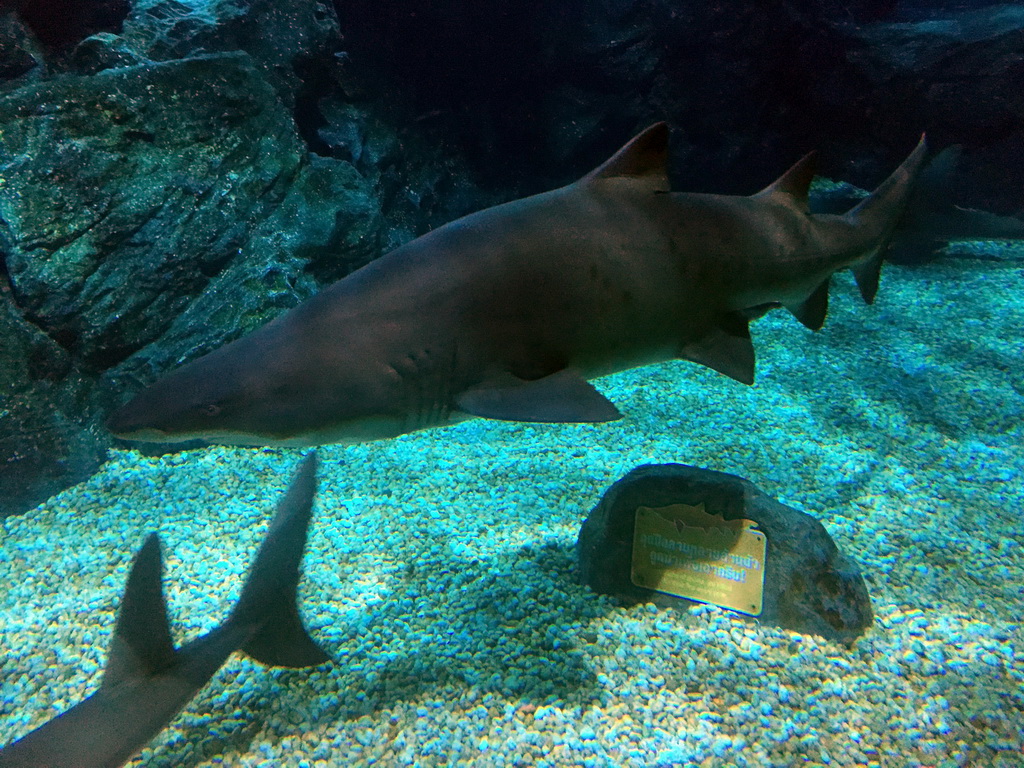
(726, 349)
(142, 644)
(811, 312)
(563, 397)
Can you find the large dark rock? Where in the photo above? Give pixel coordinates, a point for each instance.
(19, 53)
(46, 439)
(955, 75)
(125, 193)
(286, 38)
(809, 585)
(751, 86)
(60, 24)
(147, 214)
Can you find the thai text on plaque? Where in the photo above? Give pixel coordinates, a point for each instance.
(684, 551)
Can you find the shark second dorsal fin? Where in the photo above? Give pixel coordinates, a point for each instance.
(644, 158)
(795, 183)
(142, 645)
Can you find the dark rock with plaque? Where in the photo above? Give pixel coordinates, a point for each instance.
(675, 535)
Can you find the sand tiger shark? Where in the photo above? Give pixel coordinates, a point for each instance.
(508, 313)
(147, 681)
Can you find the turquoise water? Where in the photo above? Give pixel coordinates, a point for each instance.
(439, 570)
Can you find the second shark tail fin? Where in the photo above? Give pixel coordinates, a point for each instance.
(881, 213)
(142, 644)
(269, 599)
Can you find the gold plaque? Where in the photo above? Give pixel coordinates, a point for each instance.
(684, 551)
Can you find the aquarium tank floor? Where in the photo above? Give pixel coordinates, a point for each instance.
(439, 572)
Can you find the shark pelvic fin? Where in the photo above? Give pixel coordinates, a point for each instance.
(811, 312)
(142, 644)
(269, 596)
(562, 397)
(727, 349)
(795, 184)
(644, 158)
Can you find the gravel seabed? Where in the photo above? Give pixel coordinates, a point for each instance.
(439, 570)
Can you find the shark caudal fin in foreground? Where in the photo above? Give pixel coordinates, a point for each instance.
(269, 601)
(882, 212)
(147, 681)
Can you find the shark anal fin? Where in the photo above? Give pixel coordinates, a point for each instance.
(866, 274)
(726, 349)
(562, 397)
(269, 596)
(142, 644)
(811, 312)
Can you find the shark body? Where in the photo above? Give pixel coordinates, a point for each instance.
(509, 312)
(147, 681)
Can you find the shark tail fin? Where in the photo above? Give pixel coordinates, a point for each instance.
(880, 213)
(142, 644)
(269, 599)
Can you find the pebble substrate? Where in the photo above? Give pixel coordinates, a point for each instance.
(439, 571)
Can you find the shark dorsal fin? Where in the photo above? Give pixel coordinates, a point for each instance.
(795, 183)
(644, 159)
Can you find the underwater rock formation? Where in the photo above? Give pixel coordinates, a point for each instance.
(59, 25)
(958, 76)
(748, 84)
(122, 184)
(282, 36)
(46, 439)
(809, 585)
(129, 192)
(19, 52)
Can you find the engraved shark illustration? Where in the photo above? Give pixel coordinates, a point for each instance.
(147, 680)
(507, 313)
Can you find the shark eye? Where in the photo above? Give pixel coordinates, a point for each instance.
(211, 410)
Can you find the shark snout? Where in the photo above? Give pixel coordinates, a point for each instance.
(128, 423)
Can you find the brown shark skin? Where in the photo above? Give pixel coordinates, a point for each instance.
(605, 274)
